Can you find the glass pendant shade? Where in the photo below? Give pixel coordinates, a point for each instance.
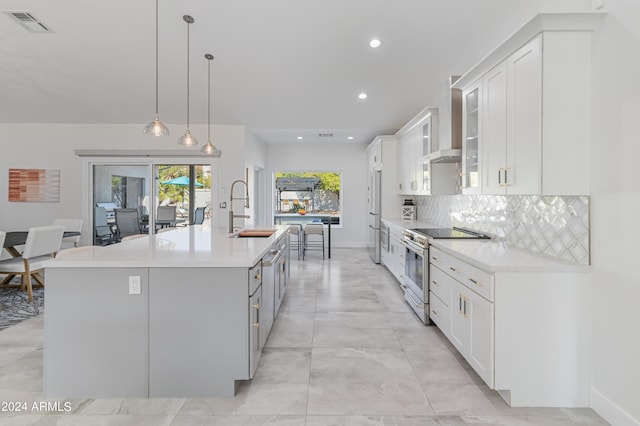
(156, 128)
(209, 148)
(187, 139)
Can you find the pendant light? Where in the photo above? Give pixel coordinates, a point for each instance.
(209, 148)
(156, 128)
(188, 139)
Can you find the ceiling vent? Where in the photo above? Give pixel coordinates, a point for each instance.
(28, 21)
(325, 135)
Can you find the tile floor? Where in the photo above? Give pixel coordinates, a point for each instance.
(345, 350)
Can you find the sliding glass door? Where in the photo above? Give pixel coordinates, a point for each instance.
(163, 194)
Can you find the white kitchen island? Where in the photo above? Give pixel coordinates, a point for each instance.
(169, 315)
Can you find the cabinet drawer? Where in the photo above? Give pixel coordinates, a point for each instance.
(439, 313)
(255, 278)
(476, 279)
(440, 284)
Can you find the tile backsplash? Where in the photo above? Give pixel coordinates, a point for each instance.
(554, 226)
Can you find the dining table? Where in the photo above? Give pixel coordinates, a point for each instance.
(14, 239)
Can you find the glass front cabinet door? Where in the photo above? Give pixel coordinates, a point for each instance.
(471, 133)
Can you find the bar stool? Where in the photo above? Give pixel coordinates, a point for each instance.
(296, 231)
(311, 242)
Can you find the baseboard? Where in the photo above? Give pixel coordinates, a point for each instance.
(610, 411)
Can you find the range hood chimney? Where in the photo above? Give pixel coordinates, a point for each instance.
(448, 147)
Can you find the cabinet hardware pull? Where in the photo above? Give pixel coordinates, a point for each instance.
(453, 269)
(256, 325)
(459, 303)
(481, 284)
(434, 258)
(499, 176)
(435, 282)
(256, 306)
(435, 313)
(465, 307)
(506, 179)
(257, 277)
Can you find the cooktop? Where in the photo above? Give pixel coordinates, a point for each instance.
(443, 233)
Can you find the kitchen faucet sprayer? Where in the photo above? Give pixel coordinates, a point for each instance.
(231, 198)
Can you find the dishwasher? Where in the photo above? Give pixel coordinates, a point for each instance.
(270, 284)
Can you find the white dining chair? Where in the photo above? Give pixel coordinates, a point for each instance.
(43, 242)
(3, 235)
(70, 225)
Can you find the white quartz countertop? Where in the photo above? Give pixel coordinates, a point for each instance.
(191, 246)
(492, 256)
(409, 224)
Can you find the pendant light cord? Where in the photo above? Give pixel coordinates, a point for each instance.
(157, 50)
(209, 102)
(188, 25)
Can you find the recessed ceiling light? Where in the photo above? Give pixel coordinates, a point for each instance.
(375, 43)
(362, 96)
(350, 138)
(299, 138)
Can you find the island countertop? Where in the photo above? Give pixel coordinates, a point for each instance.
(191, 246)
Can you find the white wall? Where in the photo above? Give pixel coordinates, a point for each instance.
(51, 146)
(615, 209)
(351, 161)
(256, 158)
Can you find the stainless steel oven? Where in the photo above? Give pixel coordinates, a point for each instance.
(416, 266)
(416, 273)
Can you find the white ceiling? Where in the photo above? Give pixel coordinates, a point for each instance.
(283, 68)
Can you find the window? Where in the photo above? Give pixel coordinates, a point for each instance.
(300, 196)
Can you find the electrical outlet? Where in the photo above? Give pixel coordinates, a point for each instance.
(134, 284)
(223, 205)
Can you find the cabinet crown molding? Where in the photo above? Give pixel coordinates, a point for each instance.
(544, 21)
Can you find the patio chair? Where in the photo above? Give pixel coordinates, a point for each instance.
(104, 234)
(198, 216)
(43, 242)
(70, 225)
(3, 235)
(127, 222)
(166, 213)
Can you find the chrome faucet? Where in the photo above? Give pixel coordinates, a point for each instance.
(231, 198)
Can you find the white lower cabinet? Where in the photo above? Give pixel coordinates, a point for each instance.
(394, 258)
(523, 331)
(470, 323)
(472, 330)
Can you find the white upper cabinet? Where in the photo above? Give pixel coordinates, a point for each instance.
(471, 138)
(533, 111)
(417, 175)
(494, 130)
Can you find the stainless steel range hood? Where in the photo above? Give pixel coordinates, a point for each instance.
(448, 148)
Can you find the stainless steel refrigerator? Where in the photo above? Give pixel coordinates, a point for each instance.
(374, 215)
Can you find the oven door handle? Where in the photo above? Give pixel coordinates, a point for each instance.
(413, 248)
(415, 303)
